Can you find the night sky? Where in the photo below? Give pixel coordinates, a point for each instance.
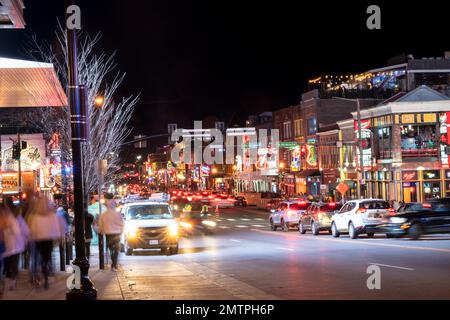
(192, 59)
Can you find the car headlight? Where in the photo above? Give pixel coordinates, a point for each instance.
(185, 225)
(209, 223)
(175, 207)
(398, 220)
(320, 216)
(173, 230)
(131, 231)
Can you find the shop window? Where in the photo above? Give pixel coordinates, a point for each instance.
(431, 174)
(419, 140)
(383, 143)
(431, 190)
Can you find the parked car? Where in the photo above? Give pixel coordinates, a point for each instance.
(361, 216)
(149, 225)
(318, 217)
(287, 214)
(434, 217)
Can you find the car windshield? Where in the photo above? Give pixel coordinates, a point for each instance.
(299, 206)
(145, 212)
(374, 205)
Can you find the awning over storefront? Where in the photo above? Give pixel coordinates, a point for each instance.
(29, 84)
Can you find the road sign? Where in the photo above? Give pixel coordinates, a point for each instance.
(342, 188)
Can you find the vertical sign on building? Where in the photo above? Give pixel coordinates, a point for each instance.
(365, 142)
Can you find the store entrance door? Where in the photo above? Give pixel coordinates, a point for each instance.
(410, 192)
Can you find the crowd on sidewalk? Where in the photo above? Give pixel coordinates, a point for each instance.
(31, 229)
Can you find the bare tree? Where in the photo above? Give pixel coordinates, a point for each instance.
(108, 123)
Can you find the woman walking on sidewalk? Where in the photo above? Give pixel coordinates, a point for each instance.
(46, 228)
(16, 235)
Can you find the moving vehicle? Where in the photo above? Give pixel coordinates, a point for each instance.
(287, 214)
(149, 225)
(434, 217)
(272, 204)
(195, 218)
(240, 201)
(413, 206)
(361, 216)
(318, 217)
(223, 201)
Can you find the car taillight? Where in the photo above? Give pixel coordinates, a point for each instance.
(210, 197)
(189, 198)
(391, 211)
(231, 199)
(426, 205)
(361, 210)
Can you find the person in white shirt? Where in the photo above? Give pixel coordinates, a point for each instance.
(111, 225)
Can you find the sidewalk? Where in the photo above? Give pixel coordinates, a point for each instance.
(105, 281)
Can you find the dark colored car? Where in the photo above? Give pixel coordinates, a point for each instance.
(318, 217)
(413, 206)
(240, 201)
(194, 218)
(434, 217)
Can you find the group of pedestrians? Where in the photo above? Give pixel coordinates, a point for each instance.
(35, 230)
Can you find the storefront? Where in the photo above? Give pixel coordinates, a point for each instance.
(420, 185)
(379, 184)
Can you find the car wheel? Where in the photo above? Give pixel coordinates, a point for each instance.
(272, 226)
(314, 229)
(370, 234)
(415, 231)
(352, 231)
(334, 231)
(389, 235)
(301, 228)
(284, 226)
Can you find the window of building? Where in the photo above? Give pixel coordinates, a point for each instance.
(419, 140)
(312, 126)
(383, 142)
(298, 127)
(287, 130)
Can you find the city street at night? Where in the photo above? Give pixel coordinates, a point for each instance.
(245, 260)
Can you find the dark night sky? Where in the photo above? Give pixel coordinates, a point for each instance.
(190, 59)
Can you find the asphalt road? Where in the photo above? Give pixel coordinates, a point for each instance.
(245, 260)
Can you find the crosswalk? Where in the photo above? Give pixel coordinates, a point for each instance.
(241, 223)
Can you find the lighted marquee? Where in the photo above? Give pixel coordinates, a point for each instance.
(366, 143)
(32, 158)
(295, 160)
(445, 137)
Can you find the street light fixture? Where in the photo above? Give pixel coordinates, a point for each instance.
(99, 100)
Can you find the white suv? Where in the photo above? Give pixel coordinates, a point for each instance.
(287, 214)
(361, 216)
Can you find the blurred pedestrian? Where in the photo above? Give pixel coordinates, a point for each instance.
(46, 228)
(88, 234)
(111, 225)
(16, 235)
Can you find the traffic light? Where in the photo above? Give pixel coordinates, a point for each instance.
(16, 151)
(303, 152)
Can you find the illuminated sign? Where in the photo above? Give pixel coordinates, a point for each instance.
(267, 161)
(311, 156)
(409, 175)
(295, 160)
(365, 142)
(432, 174)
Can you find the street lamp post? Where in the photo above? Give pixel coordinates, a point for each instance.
(83, 288)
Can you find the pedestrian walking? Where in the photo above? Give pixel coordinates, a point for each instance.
(111, 225)
(88, 221)
(45, 228)
(16, 235)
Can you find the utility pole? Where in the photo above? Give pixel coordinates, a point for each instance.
(83, 289)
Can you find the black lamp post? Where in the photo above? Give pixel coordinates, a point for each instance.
(80, 131)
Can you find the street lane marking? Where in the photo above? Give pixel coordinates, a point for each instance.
(244, 219)
(240, 226)
(389, 266)
(231, 219)
(258, 226)
(234, 240)
(224, 227)
(359, 241)
(259, 219)
(287, 249)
